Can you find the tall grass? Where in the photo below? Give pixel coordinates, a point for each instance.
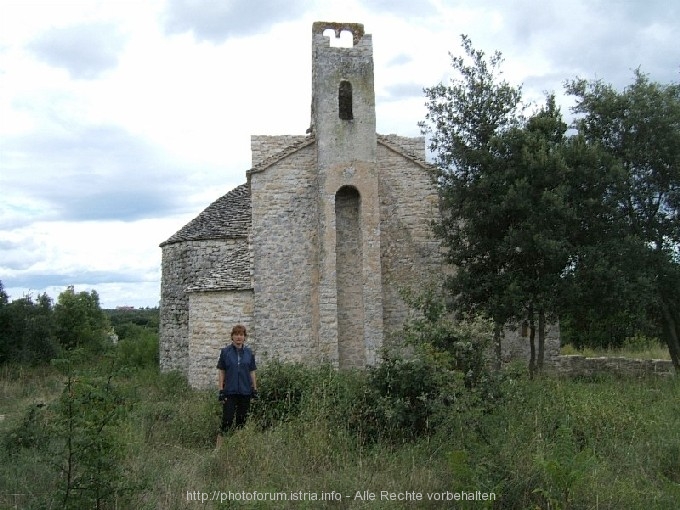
(633, 348)
(607, 443)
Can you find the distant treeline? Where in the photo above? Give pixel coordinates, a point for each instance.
(36, 330)
(122, 318)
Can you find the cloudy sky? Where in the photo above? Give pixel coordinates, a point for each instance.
(120, 120)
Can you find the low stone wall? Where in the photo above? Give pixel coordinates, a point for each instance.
(577, 365)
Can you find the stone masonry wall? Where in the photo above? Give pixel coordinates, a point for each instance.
(575, 365)
(410, 255)
(211, 317)
(183, 263)
(264, 147)
(284, 240)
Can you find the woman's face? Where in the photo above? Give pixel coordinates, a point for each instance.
(238, 338)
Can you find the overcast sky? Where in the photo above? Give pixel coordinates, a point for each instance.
(121, 120)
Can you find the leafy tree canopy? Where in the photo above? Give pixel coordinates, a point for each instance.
(79, 320)
(536, 219)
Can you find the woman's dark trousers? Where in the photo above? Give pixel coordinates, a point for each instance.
(235, 411)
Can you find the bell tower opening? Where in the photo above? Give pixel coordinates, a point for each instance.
(345, 100)
(339, 38)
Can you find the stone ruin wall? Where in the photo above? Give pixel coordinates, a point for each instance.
(575, 365)
(514, 346)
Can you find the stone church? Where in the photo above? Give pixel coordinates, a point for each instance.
(310, 253)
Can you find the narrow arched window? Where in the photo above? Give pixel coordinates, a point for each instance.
(345, 100)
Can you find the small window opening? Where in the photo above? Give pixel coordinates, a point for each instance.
(345, 100)
(344, 39)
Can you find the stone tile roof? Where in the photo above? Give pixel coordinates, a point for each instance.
(227, 217)
(233, 273)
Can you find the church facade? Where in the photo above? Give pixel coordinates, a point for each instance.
(312, 251)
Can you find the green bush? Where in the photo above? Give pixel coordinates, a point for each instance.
(639, 343)
(31, 432)
(459, 344)
(282, 390)
(75, 440)
(139, 350)
(402, 396)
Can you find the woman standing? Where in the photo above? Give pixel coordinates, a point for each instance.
(237, 382)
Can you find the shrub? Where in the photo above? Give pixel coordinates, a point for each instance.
(282, 389)
(288, 391)
(86, 447)
(462, 345)
(139, 350)
(639, 343)
(402, 396)
(31, 432)
(75, 439)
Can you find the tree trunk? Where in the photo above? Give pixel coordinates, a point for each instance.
(672, 333)
(497, 337)
(541, 338)
(532, 342)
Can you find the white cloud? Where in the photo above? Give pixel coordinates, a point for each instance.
(120, 121)
(219, 21)
(85, 51)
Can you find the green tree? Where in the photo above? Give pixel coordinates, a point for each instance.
(86, 447)
(4, 298)
(26, 329)
(602, 300)
(512, 200)
(5, 332)
(79, 320)
(463, 122)
(535, 203)
(639, 129)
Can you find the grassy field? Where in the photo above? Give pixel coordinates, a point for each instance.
(147, 441)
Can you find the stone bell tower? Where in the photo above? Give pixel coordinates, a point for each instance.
(350, 313)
